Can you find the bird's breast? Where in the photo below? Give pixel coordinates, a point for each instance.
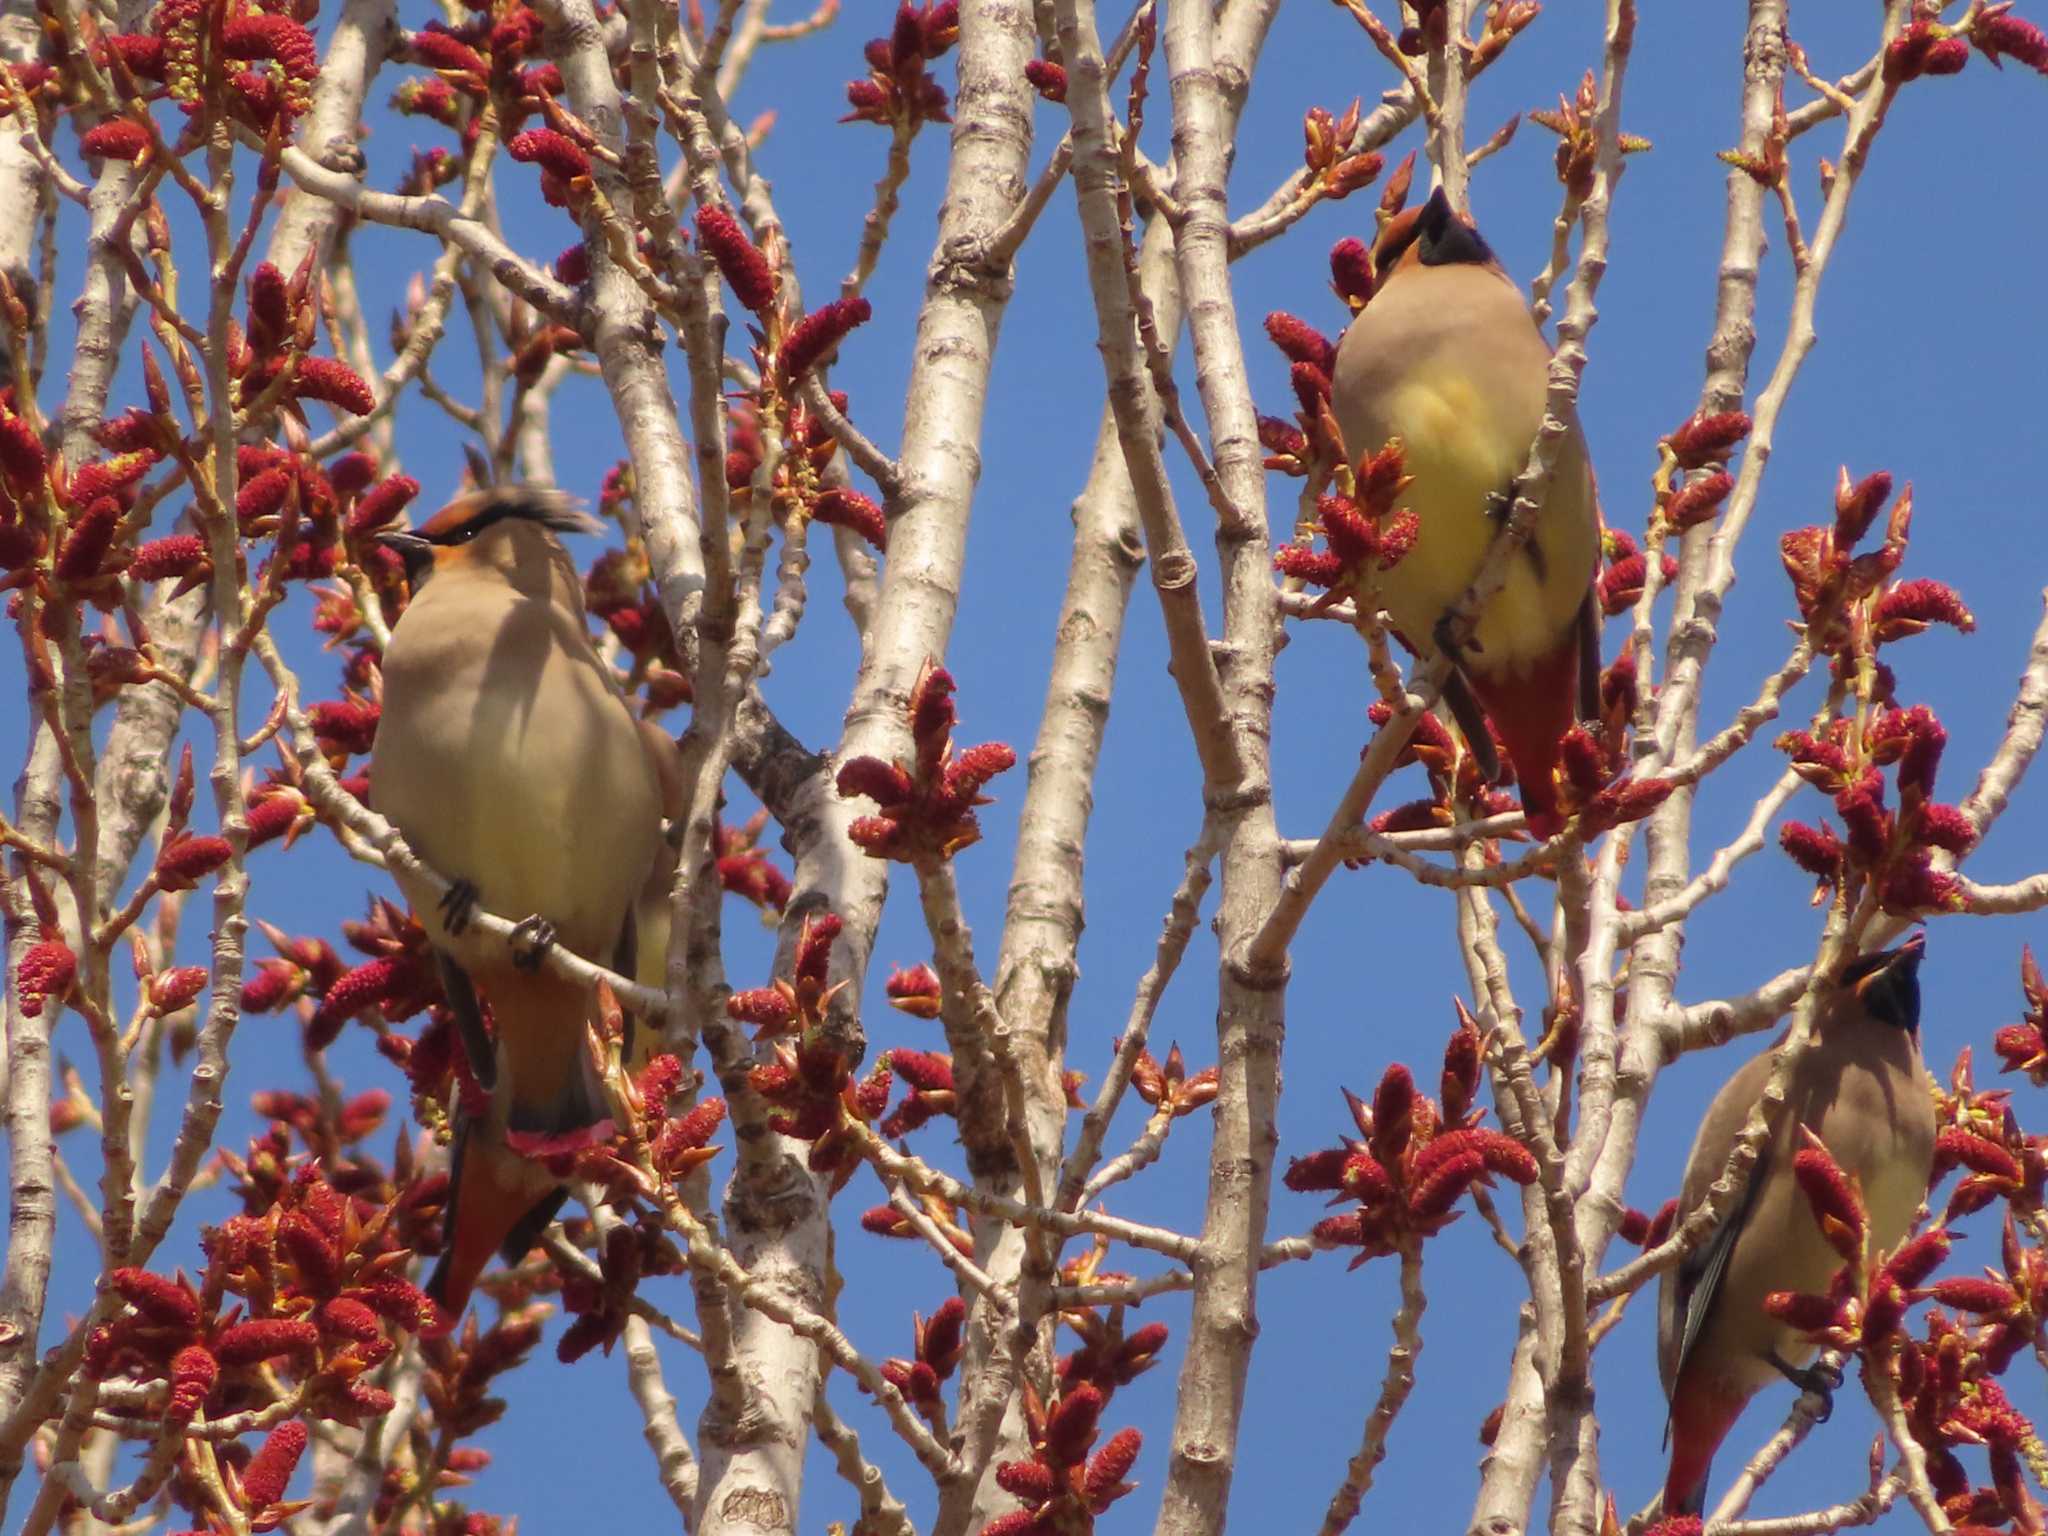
(1466, 432)
(506, 760)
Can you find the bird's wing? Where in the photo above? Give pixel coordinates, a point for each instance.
(1699, 1276)
(1589, 656)
(469, 1021)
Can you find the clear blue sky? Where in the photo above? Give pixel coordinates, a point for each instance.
(1928, 365)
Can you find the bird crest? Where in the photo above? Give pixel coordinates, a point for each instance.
(468, 515)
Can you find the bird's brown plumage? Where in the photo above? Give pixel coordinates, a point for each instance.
(1447, 358)
(508, 760)
(1863, 1091)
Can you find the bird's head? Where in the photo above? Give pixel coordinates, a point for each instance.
(1434, 235)
(506, 529)
(1887, 984)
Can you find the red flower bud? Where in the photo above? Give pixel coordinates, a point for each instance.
(968, 773)
(1699, 500)
(1071, 1429)
(381, 505)
(47, 970)
(270, 1469)
(437, 48)
(1351, 273)
(21, 453)
(170, 1303)
(264, 1338)
(1976, 1293)
(1393, 1109)
(1911, 606)
(1857, 505)
(1301, 342)
(182, 864)
(352, 473)
(845, 508)
(768, 1009)
(1031, 1481)
(1917, 1259)
(1707, 440)
(176, 988)
(1047, 78)
(928, 1071)
(2010, 35)
(742, 263)
(345, 726)
(1311, 388)
(817, 334)
(1814, 849)
(401, 1302)
(322, 378)
(915, 991)
(346, 1318)
(193, 1374)
(1836, 1205)
(1108, 1467)
(1802, 1310)
(118, 138)
(884, 783)
(179, 555)
(697, 1128)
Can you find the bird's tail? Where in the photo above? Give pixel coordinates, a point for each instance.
(498, 1202)
(1532, 710)
(1700, 1420)
(550, 1087)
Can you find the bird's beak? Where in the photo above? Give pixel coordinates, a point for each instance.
(415, 551)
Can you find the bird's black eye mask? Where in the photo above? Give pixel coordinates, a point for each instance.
(1888, 985)
(469, 528)
(556, 512)
(462, 521)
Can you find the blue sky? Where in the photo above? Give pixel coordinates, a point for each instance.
(1931, 336)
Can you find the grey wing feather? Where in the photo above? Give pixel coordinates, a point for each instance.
(469, 1021)
(1589, 657)
(1699, 1277)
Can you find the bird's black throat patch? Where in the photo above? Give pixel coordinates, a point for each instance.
(1444, 239)
(1888, 984)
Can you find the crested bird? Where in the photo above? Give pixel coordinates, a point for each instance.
(513, 767)
(1862, 1090)
(1447, 358)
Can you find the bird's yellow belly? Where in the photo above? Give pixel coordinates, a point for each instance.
(1460, 473)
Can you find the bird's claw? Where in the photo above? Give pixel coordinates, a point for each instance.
(458, 906)
(1818, 1380)
(1454, 637)
(532, 938)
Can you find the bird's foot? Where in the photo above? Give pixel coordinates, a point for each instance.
(1455, 637)
(458, 906)
(532, 938)
(1819, 1379)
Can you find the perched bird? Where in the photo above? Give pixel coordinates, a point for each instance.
(1862, 1090)
(1447, 358)
(513, 767)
